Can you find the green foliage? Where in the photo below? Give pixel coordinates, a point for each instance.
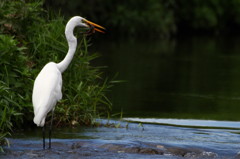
(17, 16)
(8, 111)
(16, 63)
(28, 41)
(12, 56)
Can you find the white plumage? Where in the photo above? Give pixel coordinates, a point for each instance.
(47, 89)
(46, 92)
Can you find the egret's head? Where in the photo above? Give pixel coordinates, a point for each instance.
(82, 22)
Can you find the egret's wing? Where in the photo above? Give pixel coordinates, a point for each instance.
(47, 90)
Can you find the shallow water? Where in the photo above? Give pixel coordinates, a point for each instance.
(189, 122)
(219, 143)
(223, 140)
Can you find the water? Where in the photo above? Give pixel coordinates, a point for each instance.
(170, 87)
(189, 123)
(208, 141)
(194, 77)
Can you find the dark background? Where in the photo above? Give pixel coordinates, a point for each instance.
(157, 18)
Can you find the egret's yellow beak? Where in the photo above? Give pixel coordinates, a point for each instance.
(94, 27)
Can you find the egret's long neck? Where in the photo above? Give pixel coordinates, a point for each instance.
(72, 44)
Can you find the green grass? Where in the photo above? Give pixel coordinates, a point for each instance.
(8, 112)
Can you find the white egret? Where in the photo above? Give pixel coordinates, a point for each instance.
(48, 84)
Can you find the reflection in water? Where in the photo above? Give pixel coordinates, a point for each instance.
(181, 78)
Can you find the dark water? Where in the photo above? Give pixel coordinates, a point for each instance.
(193, 77)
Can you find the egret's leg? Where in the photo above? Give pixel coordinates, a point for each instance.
(50, 130)
(43, 133)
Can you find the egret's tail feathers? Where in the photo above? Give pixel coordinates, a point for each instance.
(39, 121)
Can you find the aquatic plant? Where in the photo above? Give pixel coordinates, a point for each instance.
(7, 112)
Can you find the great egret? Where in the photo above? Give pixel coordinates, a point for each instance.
(48, 84)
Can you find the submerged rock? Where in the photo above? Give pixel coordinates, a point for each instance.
(177, 151)
(131, 149)
(238, 155)
(203, 154)
(103, 149)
